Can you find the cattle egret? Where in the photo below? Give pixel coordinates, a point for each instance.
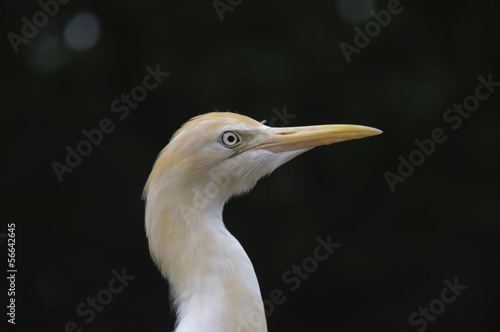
(209, 159)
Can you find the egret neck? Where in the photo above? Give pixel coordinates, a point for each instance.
(212, 280)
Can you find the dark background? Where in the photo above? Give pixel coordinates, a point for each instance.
(396, 249)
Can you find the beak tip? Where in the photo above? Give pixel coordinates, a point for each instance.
(375, 131)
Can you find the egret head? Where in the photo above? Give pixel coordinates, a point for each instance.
(224, 154)
(211, 158)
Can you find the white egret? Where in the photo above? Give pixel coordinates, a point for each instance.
(209, 159)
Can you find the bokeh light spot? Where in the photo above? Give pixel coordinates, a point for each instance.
(355, 11)
(46, 54)
(82, 31)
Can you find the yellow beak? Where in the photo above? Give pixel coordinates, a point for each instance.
(295, 138)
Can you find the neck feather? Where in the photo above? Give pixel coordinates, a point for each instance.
(213, 283)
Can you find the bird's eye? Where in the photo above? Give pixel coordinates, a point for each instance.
(230, 139)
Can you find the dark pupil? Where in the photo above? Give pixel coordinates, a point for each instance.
(231, 138)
